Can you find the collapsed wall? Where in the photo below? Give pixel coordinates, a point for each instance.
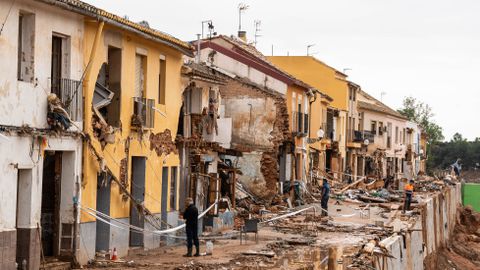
(430, 232)
(259, 126)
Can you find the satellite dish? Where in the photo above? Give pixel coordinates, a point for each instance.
(366, 142)
(421, 151)
(320, 133)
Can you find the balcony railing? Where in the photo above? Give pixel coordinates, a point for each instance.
(70, 93)
(368, 135)
(143, 112)
(357, 136)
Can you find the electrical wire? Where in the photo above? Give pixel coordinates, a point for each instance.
(6, 17)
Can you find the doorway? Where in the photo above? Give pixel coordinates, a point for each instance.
(138, 192)
(50, 210)
(102, 238)
(164, 197)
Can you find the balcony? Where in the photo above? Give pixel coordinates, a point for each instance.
(368, 135)
(70, 93)
(143, 113)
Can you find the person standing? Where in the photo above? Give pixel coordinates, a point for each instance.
(325, 197)
(408, 196)
(191, 226)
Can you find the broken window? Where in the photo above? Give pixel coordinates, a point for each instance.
(113, 76)
(173, 188)
(26, 46)
(143, 108)
(162, 80)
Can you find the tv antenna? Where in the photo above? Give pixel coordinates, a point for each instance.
(382, 94)
(210, 27)
(241, 8)
(308, 49)
(257, 24)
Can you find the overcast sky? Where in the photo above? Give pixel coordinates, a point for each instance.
(428, 49)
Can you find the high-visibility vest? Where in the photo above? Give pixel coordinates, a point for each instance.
(409, 189)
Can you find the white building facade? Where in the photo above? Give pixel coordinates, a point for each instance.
(42, 53)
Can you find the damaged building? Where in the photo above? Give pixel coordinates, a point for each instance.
(203, 138)
(132, 94)
(270, 114)
(394, 148)
(41, 115)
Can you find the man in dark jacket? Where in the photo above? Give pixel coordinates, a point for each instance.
(325, 197)
(191, 221)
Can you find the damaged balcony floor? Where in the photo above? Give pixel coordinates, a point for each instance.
(299, 242)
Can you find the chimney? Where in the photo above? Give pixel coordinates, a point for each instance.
(242, 35)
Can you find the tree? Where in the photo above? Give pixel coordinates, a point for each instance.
(421, 113)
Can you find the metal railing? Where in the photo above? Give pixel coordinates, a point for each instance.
(143, 112)
(369, 135)
(70, 93)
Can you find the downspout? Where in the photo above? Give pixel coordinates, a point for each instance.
(310, 102)
(87, 117)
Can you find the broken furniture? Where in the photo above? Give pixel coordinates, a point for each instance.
(251, 226)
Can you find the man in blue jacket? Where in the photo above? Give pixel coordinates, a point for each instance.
(325, 197)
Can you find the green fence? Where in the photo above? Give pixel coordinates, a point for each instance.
(471, 195)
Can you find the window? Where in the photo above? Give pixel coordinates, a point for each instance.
(140, 67)
(396, 135)
(173, 188)
(26, 46)
(380, 128)
(114, 78)
(374, 127)
(162, 80)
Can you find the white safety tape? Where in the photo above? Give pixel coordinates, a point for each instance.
(91, 212)
(287, 215)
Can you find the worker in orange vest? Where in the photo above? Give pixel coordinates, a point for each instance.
(408, 195)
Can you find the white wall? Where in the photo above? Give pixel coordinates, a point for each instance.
(244, 71)
(15, 153)
(26, 102)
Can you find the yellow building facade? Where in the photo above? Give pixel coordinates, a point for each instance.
(132, 93)
(329, 111)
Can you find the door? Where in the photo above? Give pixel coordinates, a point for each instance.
(138, 192)
(102, 239)
(56, 72)
(164, 196)
(50, 210)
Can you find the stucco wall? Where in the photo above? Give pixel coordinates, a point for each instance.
(15, 153)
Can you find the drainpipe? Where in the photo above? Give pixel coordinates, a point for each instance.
(310, 102)
(87, 117)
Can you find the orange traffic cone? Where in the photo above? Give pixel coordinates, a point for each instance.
(114, 254)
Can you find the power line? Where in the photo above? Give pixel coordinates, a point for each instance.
(6, 17)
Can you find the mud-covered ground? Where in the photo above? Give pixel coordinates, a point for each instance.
(463, 250)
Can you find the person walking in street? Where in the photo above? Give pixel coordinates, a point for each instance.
(408, 196)
(191, 225)
(325, 197)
